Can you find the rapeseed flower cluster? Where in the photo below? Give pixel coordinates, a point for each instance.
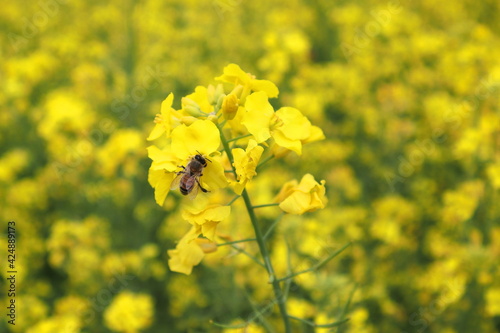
(209, 119)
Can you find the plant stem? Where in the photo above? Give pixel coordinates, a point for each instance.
(278, 293)
(236, 241)
(266, 205)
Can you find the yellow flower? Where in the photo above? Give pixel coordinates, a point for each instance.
(205, 216)
(166, 119)
(66, 323)
(493, 301)
(245, 163)
(307, 196)
(234, 74)
(129, 312)
(289, 128)
(187, 254)
(197, 104)
(201, 137)
(230, 106)
(493, 172)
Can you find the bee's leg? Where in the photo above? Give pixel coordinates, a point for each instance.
(182, 171)
(204, 190)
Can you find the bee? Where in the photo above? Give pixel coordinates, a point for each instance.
(188, 179)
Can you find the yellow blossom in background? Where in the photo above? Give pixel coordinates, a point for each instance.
(493, 172)
(57, 324)
(12, 163)
(303, 197)
(129, 312)
(493, 301)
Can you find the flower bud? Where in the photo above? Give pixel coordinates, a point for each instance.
(188, 120)
(191, 107)
(230, 106)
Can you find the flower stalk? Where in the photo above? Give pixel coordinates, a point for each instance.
(278, 293)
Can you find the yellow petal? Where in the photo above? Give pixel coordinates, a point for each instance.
(258, 116)
(297, 203)
(157, 131)
(316, 134)
(208, 229)
(245, 161)
(214, 176)
(282, 140)
(166, 105)
(202, 137)
(200, 99)
(234, 74)
(184, 257)
(211, 213)
(265, 86)
(163, 160)
(186, 254)
(160, 181)
(286, 190)
(238, 187)
(307, 196)
(295, 125)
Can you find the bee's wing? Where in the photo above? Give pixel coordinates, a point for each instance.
(191, 195)
(176, 181)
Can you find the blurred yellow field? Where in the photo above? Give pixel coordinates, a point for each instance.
(250, 166)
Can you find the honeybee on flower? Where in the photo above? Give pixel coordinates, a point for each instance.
(188, 179)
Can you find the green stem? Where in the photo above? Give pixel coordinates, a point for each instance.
(264, 161)
(239, 137)
(270, 229)
(233, 200)
(266, 205)
(278, 293)
(236, 241)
